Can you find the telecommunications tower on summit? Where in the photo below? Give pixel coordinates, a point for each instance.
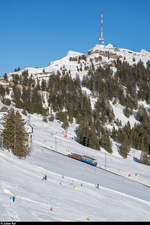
(101, 39)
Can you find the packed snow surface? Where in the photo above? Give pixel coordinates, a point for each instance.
(70, 193)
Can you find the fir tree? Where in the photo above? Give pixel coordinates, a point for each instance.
(2, 91)
(9, 130)
(93, 141)
(6, 77)
(45, 118)
(105, 142)
(20, 149)
(51, 118)
(43, 85)
(36, 102)
(14, 135)
(125, 147)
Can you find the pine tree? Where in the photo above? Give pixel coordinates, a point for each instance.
(51, 118)
(17, 69)
(36, 102)
(128, 112)
(9, 129)
(2, 91)
(93, 140)
(17, 96)
(45, 118)
(14, 135)
(6, 77)
(125, 147)
(20, 149)
(105, 142)
(43, 85)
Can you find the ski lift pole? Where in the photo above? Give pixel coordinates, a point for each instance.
(2, 143)
(55, 143)
(105, 160)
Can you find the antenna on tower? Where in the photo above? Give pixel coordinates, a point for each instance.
(101, 39)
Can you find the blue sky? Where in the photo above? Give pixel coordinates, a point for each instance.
(35, 32)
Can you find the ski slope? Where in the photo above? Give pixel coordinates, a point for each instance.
(70, 190)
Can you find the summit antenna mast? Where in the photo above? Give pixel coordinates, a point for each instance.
(102, 39)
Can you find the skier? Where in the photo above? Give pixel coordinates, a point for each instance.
(12, 198)
(97, 186)
(44, 177)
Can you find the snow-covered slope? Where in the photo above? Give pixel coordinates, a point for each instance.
(75, 197)
(125, 54)
(108, 54)
(70, 192)
(76, 63)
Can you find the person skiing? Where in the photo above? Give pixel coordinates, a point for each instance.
(44, 177)
(97, 186)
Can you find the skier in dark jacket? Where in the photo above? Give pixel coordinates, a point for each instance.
(44, 178)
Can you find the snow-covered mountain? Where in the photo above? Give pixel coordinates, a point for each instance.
(70, 193)
(76, 63)
(108, 54)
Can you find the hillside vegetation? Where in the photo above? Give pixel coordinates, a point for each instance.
(67, 93)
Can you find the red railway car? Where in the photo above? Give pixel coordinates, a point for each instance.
(76, 156)
(83, 158)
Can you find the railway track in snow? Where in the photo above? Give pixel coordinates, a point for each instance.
(98, 167)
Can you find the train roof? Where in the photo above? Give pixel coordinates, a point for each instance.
(88, 157)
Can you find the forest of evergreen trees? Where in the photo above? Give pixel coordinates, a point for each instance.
(66, 98)
(14, 134)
